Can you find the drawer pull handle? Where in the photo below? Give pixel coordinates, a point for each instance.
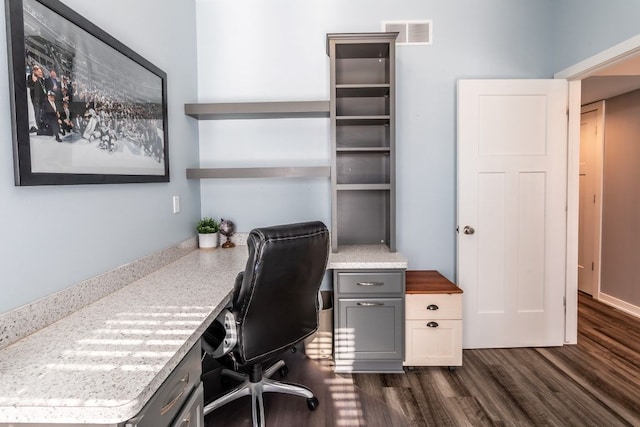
(432, 307)
(370, 283)
(166, 408)
(432, 325)
(370, 304)
(186, 422)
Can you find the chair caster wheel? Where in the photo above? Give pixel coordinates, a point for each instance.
(313, 403)
(283, 371)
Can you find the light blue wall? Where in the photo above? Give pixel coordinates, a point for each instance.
(54, 237)
(275, 50)
(584, 28)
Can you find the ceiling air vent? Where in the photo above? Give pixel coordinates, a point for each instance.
(410, 32)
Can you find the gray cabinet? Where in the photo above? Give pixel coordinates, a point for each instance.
(192, 412)
(369, 320)
(179, 401)
(362, 113)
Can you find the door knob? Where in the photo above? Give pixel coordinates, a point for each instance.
(468, 230)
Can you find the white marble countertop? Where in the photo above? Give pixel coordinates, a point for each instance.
(102, 363)
(366, 257)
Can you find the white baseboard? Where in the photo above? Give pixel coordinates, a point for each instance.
(619, 304)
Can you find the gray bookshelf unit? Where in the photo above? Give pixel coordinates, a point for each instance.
(369, 313)
(362, 113)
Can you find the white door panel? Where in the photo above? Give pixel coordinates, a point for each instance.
(512, 137)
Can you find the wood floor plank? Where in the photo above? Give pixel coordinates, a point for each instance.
(341, 402)
(403, 399)
(593, 383)
(431, 403)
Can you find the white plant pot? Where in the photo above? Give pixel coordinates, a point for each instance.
(209, 240)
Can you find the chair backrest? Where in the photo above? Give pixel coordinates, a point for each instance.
(276, 298)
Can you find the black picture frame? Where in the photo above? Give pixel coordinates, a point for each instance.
(116, 131)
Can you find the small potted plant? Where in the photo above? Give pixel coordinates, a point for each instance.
(208, 236)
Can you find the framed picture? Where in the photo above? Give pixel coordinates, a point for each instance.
(86, 108)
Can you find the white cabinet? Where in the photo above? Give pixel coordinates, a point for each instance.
(433, 320)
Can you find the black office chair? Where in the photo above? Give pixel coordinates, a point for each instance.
(274, 306)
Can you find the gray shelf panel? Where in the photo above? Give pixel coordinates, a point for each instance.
(260, 172)
(363, 136)
(362, 90)
(365, 71)
(362, 45)
(362, 120)
(257, 110)
(360, 106)
(363, 149)
(363, 187)
(364, 218)
(364, 167)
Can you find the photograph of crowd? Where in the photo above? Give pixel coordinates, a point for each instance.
(92, 109)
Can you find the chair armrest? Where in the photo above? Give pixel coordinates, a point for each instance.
(227, 320)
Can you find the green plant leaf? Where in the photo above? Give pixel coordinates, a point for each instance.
(208, 225)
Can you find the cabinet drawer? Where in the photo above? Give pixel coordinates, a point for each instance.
(433, 306)
(439, 344)
(379, 282)
(192, 414)
(369, 329)
(172, 394)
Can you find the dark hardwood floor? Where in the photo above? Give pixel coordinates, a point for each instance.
(593, 383)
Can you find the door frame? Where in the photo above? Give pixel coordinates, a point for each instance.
(574, 74)
(598, 167)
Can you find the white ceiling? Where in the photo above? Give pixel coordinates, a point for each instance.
(615, 79)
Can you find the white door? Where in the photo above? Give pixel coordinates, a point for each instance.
(590, 198)
(512, 180)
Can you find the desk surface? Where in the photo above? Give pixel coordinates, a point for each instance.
(104, 362)
(429, 282)
(101, 364)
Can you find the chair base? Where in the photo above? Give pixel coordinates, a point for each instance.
(262, 384)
